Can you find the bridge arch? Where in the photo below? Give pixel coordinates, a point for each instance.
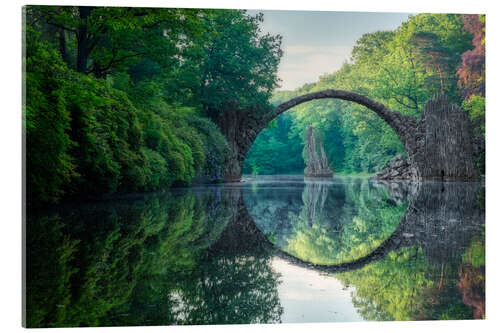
(429, 156)
(398, 122)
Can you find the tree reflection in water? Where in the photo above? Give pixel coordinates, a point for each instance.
(424, 279)
(152, 261)
(326, 222)
(203, 256)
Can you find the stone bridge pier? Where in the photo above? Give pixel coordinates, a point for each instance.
(240, 129)
(440, 144)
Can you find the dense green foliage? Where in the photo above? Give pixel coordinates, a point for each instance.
(241, 64)
(426, 55)
(274, 152)
(84, 136)
(120, 99)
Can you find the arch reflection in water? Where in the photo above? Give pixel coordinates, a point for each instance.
(325, 222)
(247, 253)
(430, 267)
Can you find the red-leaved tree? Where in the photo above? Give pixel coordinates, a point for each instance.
(471, 71)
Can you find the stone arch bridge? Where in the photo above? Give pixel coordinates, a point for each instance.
(440, 144)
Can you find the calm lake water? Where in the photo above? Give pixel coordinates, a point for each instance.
(267, 250)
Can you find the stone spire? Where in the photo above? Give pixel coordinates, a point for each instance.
(316, 166)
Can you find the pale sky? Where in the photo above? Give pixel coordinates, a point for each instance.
(316, 43)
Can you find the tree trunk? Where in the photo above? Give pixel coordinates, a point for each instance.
(83, 40)
(62, 46)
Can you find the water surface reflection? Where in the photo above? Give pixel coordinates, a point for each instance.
(263, 251)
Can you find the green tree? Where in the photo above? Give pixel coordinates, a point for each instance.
(49, 165)
(240, 63)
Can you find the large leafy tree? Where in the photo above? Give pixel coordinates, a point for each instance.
(108, 38)
(240, 64)
(433, 56)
